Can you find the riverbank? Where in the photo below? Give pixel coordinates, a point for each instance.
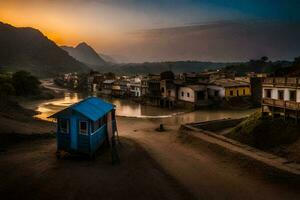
(16, 119)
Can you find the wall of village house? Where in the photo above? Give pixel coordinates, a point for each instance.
(213, 88)
(237, 91)
(274, 93)
(183, 94)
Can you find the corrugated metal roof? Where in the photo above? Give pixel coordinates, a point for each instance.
(92, 108)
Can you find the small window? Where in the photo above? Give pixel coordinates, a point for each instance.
(231, 93)
(237, 93)
(280, 94)
(244, 92)
(83, 127)
(268, 93)
(162, 89)
(64, 125)
(292, 95)
(188, 94)
(182, 94)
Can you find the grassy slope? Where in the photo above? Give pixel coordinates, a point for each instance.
(265, 133)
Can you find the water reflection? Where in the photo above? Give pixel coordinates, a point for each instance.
(129, 108)
(124, 107)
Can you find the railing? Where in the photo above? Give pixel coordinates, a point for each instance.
(284, 81)
(281, 103)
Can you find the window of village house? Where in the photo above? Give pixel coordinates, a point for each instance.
(83, 127)
(292, 95)
(231, 93)
(244, 92)
(162, 89)
(268, 93)
(280, 94)
(169, 93)
(182, 94)
(237, 93)
(188, 94)
(64, 125)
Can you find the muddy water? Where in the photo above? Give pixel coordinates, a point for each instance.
(129, 108)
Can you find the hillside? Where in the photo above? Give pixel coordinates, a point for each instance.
(262, 65)
(265, 132)
(85, 53)
(28, 49)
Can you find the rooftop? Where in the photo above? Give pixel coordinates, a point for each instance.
(93, 108)
(229, 83)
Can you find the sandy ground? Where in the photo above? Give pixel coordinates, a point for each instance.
(206, 173)
(31, 171)
(155, 165)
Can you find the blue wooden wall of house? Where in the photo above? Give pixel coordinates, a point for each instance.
(82, 127)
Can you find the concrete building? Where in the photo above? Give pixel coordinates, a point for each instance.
(144, 86)
(107, 86)
(120, 88)
(281, 96)
(226, 88)
(193, 95)
(135, 87)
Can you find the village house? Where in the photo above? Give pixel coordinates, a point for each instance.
(107, 86)
(94, 81)
(281, 96)
(256, 81)
(192, 95)
(144, 86)
(153, 94)
(135, 87)
(168, 89)
(120, 88)
(226, 88)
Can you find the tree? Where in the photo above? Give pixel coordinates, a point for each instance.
(25, 84)
(264, 59)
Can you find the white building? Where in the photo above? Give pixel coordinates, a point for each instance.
(192, 93)
(135, 87)
(281, 96)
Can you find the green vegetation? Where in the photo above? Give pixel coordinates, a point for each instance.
(265, 132)
(262, 65)
(20, 83)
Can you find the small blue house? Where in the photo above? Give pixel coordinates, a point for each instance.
(85, 126)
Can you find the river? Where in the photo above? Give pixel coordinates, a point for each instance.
(128, 108)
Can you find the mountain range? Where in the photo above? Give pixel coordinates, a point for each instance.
(85, 53)
(28, 49)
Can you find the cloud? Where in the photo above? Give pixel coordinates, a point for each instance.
(220, 41)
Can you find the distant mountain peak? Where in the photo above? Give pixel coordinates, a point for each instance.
(83, 44)
(85, 53)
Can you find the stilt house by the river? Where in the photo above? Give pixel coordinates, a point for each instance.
(85, 126)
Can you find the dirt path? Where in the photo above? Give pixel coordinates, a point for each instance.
(206, 174)
(31, 171)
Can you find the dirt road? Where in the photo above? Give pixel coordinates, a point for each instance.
(155, 165)
(31, 171)
(206, 174)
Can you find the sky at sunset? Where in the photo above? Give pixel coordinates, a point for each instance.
(144, 30)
